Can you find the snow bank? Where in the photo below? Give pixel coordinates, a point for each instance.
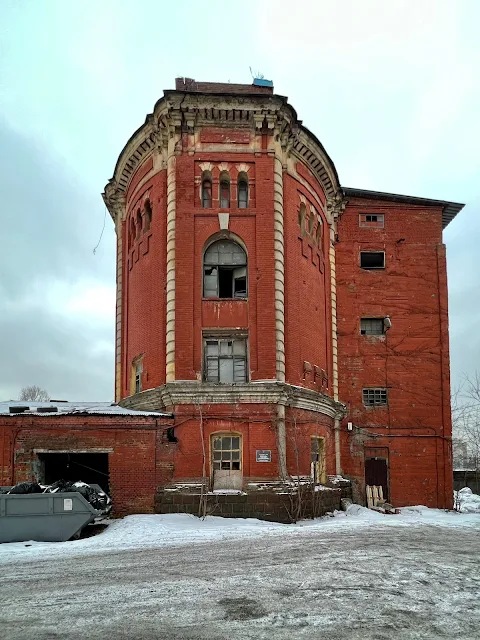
(466, 501)
(140, 532)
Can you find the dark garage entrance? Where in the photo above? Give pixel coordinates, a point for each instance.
(91, 468)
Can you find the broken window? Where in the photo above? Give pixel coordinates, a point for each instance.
(225, 270)
(372, 259)
(225, 360)
(375, 220)
(374, 397)
(372, 326)
(224, 193)
(206, 193)
(226, 453)
(242, 192)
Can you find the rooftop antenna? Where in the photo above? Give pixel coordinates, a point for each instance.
(256, 74)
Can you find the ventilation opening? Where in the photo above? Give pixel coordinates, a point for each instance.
(372, 259)
(91, 468)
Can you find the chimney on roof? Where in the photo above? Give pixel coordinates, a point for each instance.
(185, 84)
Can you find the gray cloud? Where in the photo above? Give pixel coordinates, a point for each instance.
(50, 225)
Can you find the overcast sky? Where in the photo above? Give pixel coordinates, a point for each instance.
(392, 89)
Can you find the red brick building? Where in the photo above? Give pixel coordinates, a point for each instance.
(98, 443)
(292, 325)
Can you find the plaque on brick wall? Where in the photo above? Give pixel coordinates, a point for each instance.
(264, 455)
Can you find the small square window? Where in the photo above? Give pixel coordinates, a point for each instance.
(374, 397)
(373, 220)
(372, 259)
(372, 326)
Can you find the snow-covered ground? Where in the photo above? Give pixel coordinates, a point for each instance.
(466, 501)
(149, 531)
(356, 576)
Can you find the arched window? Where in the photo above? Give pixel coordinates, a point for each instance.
(225, 270)
(139, 224)
(301, 218)
(207, 192)
(319, 233)
(148, 215)
(242, 191)
(131, 233)
(311, 222)
(224, 191)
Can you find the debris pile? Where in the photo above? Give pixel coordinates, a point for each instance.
(96, 497)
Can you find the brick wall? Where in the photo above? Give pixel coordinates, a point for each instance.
(135, 468)
(410, 360)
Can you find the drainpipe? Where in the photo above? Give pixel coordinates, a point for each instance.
(333, 206)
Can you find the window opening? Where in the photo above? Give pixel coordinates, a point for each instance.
(242, 194)
(138, 377)
(148, 215)
(226, 453)
(139, 224)
(319, 233)
(372, 326)
(374, 397)
(224, 194)
(206, 193)
(301, 218)
(225, 360)
(372, 259)
(311, 223)
(225, 270)
(376, 220)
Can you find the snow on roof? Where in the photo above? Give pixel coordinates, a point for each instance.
(70, 408)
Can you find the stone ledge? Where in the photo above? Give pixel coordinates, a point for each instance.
(191, 392)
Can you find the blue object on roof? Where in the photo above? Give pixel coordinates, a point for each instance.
(261, 82)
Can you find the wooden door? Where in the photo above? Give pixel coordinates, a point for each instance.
(227, 462)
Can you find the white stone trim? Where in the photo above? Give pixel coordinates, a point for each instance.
(263, 392)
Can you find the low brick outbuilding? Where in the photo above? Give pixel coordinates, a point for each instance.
(95, 442)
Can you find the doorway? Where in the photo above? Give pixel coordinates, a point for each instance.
(376, 474)
(317, 454)
(91, 468)
(227, 462)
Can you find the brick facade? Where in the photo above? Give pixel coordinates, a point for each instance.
(306, 296)
(302, 399)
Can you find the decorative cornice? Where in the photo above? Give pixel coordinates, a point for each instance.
(181, 112)
(262, 392)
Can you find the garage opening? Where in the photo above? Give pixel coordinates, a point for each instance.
(91, 468)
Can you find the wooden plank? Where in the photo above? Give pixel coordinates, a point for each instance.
(369, 497)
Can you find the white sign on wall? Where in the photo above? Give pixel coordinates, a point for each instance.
(67, 504)
(264, 455)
